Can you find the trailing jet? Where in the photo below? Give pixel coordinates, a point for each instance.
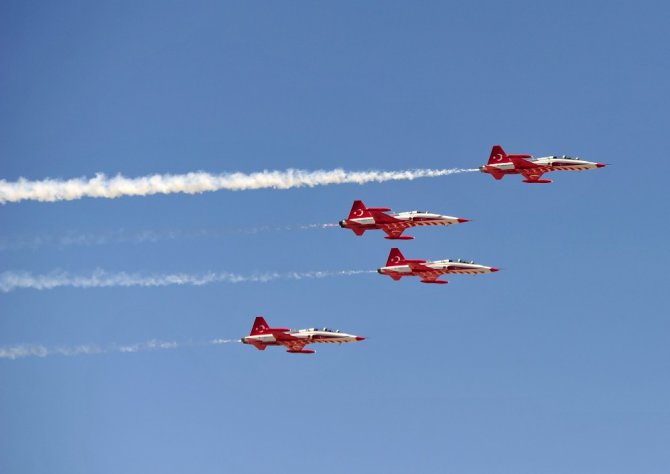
(262, 336)
(363, 218)
(397, 266)
(532, 169)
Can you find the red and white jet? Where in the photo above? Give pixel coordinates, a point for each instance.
(262, 336)
(532, 169)
(397, 266)
(363, 218)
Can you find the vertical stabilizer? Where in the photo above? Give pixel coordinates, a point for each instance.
(498, 155)
(359, 210)
(260, 326)
(395, 257)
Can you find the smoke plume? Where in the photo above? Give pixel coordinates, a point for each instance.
(10, 281)
(21, 351)
(101, 186)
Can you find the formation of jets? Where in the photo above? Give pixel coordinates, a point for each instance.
(362, 218)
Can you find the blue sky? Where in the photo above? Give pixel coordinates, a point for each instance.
(556, 364)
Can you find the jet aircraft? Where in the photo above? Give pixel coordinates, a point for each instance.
(532, 169)
(363, 218)
(397, 266)
(295, 340)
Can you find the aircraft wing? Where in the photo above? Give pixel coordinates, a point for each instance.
(294, 344)
(521, 163)
(532, 174)
(432, 277)
(419, 266)
(393, 231)
(381, 218)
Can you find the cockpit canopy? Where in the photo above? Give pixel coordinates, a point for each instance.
(460, 260)
(319, 329)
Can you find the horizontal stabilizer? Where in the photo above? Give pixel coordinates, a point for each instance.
(495, 172)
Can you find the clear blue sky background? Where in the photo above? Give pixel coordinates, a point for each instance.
(557, 364)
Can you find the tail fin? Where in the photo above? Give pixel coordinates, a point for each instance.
(498, 155)
(359, 210)
(395, 257)
(260, 326)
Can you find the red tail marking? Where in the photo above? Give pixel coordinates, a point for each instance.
(498, 155)
(260, 326)
(395, 257)
(359, 210)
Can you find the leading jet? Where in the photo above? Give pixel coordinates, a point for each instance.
(532, 169)
(397, 266)
(295, 340)
(363, 218)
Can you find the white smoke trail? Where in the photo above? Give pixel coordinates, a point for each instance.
(141, 237)
(21, 351)
(101, 186)
(10, 281)
(318, 226)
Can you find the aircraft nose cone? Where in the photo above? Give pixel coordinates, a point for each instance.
(494, 269)
(461, 220)
(600, 165)
(360, 338)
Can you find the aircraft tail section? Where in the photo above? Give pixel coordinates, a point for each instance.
(498, 155)
(395, 257)
(260, 326)
(359, 210)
